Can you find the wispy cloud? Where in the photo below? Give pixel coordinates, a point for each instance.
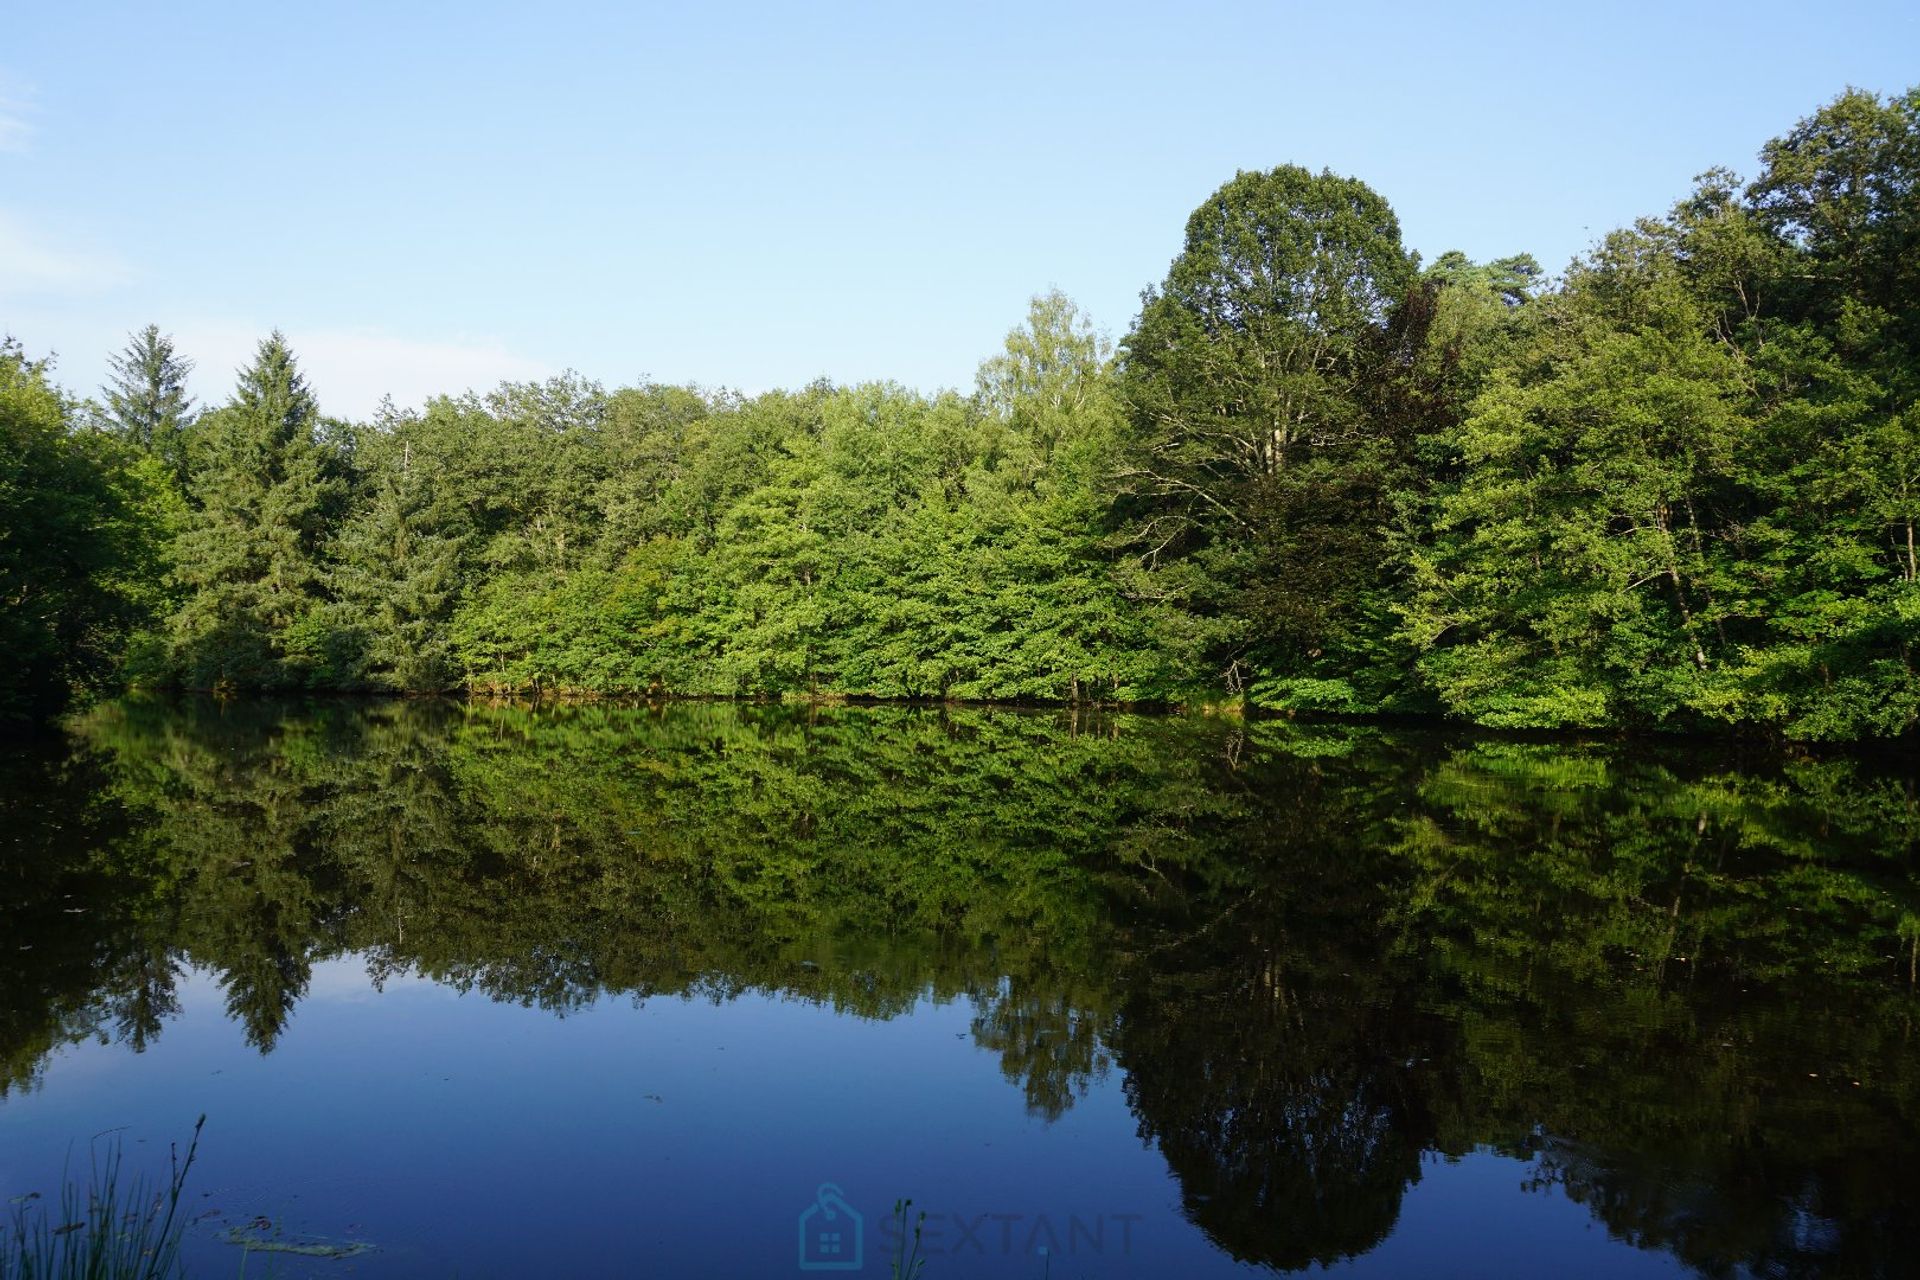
(33, 264)
(350, 370)
(16, 123)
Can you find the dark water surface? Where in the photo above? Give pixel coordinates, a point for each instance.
(591, 991)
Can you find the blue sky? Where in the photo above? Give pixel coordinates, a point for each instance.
(426, 197)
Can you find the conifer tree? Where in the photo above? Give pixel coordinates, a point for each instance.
(397, 579)
(250, 560)
(147, 400)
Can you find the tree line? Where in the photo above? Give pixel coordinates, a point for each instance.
(1673, 488)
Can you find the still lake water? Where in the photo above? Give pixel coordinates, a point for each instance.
(597, 991)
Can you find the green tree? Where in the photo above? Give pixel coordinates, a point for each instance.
(1836, 352)
(1572, 575)
(1840, 185)
(147, 400)
(773, 568)
(1686, 491)
(77, 536)
(1051, 390)
(396, 579)
(1255, 490)
(251, 560)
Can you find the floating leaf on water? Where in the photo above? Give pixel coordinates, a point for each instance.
(303, 1248)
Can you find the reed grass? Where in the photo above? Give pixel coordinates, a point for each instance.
(112, 1228)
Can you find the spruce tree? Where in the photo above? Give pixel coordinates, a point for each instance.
(397, 579)
(147, 400)
(250, 559)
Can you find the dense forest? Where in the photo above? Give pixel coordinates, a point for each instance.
(1674, 488)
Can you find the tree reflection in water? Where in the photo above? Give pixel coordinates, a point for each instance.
(1682, 985)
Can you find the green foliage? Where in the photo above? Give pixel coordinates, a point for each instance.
(83, 520)
(862, 541)
(1676, 488)
(396, 579)
(251, 559)
(1570, 579)
(1685, 495)
(147, 401)
(1261, 458)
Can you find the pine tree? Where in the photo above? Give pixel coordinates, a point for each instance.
(251, 558)
(147, 400)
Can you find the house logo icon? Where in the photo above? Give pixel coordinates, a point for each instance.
(832, 1235)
